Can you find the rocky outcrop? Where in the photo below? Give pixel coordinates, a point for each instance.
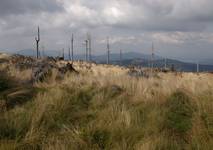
(43, 69)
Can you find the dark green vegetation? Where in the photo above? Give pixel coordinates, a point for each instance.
(180, 113)
(14, 92)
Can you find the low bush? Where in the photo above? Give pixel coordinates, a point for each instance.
(180, 112)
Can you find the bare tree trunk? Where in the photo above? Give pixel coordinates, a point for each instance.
(198, 67)
(90, 47)
(86, 50)
(63, 53)
(69, 53)
(37, 43)
(72, 47)
(108, 52)
(152, 59)
(120, 57)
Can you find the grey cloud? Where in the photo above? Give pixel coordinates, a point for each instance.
(172, 23)
(16, 7)
(151, 15)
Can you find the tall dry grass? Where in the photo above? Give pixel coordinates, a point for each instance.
(104, 108)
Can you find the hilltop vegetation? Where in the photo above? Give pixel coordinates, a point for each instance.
(103, 107)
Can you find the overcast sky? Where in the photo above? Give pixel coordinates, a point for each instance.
(180, 29)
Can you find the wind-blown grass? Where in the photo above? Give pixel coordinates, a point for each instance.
(107, 109)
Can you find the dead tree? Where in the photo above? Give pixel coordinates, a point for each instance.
(198, 67)
(108, 52)
(89, 46)
(120, 57)
(152, 59)
(72, 47)
(37, 43)
(86, 57)
(63, 53)
(69, 53)
(152, 56)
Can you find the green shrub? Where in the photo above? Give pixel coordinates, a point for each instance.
(178, 122)
(179, 115)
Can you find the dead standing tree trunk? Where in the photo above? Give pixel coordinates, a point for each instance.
(63, 53)
(108, 51)
(86, 50)
(69, 54)
(89, 46)
(121, 57)
(37, 43)
(72, 46)
(152, 59)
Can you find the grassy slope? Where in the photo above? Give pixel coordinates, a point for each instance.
(106, 109)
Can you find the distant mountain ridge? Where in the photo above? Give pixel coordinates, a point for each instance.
(160, 63)
(131, 58)
(97, 58)
(207, 61)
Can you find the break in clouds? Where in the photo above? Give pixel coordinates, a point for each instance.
(179, 28)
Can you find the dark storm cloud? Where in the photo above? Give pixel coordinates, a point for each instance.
(16, 7)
